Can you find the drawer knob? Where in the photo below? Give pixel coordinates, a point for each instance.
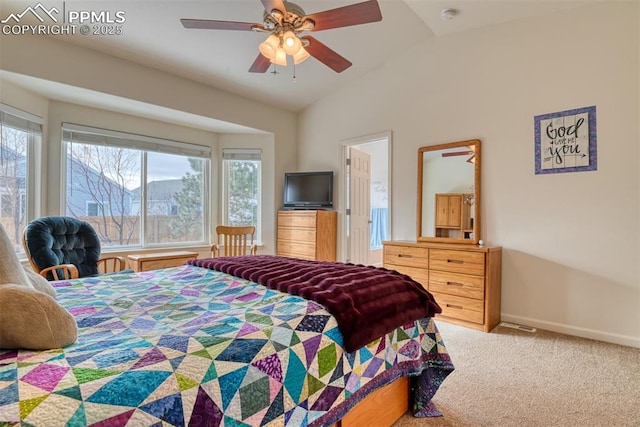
(459, 307)
(455, 261)
(455, 284)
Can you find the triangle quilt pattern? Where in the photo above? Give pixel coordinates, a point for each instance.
(169, 347)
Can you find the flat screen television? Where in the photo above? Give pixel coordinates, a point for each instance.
(308, 190)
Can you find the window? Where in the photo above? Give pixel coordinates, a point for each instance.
(20, 134)
(242, 188)
(7, 206)
(97, 209)
(136, 190)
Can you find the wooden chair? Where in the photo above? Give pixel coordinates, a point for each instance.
(66, 248)
(234, 241)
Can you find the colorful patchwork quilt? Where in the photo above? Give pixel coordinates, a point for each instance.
(194, 346)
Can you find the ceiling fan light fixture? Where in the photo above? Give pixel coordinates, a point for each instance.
(280, 57)
(269, 47)
(283, 22)
(300, 56)
(291, 43)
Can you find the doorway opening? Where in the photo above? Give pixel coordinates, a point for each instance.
(367, 171)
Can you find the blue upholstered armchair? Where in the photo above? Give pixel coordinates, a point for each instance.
(60, 247)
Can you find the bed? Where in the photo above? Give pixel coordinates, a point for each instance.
(219, 342)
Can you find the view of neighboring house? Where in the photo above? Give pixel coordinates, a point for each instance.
(12, 191)
(91, 193)
(12, 181)
(160, 197)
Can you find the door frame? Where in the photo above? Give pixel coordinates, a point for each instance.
(343, 203)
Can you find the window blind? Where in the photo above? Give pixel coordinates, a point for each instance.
(241, 154)
(89, 135)
(12, 117)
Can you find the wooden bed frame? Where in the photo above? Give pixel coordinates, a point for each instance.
(383, 407)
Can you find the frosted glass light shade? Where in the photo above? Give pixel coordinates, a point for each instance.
(280, 58)
(291, 43)
(269, 47)
(300, 56)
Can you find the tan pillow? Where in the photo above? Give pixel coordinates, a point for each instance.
(33, 320)
(30, 317)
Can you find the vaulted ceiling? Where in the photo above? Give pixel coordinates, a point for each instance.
(153, 35)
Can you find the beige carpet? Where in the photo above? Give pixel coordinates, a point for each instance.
(515, 378)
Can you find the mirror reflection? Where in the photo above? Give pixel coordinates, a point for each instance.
(448, 193)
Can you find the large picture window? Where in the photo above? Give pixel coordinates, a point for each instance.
(20, 134)
(242, 188)
(136, 191)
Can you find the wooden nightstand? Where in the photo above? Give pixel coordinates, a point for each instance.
(157, 260)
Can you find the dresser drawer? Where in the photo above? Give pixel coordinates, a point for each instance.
(466, 262)
(297, 219)
(305, 235)
(456, 284)
(407, 256)
(420, 275)
(470, 310)
(298, 250)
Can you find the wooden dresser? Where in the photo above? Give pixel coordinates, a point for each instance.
(308, 234)
(464, 279)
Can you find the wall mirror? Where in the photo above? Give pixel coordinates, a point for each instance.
(449, 192)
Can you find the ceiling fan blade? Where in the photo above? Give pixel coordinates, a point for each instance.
(207, 24)
(260, 65)
(457, 153)
(326, 55)
(270, 5)
(355, 14)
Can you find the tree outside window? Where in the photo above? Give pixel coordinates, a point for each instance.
(14, 144)
(242, 171)
(186, 214)
(134, 197)
(99, 180)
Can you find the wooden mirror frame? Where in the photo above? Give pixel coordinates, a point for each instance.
(473, 145)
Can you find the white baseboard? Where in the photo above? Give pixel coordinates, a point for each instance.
(574, 330)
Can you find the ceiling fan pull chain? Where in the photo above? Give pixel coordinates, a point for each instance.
(294, 72)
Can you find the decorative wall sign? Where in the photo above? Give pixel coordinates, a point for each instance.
(566, 141)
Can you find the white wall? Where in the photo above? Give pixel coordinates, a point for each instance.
(571, 241)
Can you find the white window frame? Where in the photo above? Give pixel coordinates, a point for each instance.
(145, 144)
(16, 118)
(230, 154)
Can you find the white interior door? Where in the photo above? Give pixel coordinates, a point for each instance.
(359, 206)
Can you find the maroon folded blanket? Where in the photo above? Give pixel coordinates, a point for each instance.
(367, 302)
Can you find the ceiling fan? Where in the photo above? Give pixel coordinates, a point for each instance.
(284, 21)
(471, 152)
